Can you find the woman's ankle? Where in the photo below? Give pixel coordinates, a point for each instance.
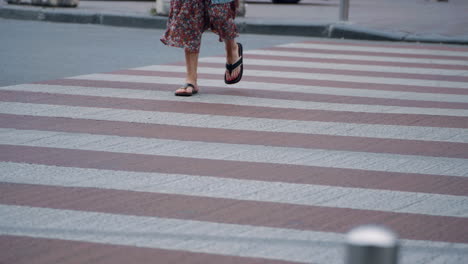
(191, 81)
(232, 52)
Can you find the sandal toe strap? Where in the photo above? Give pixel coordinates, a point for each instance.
(231, 67)
(187, 85)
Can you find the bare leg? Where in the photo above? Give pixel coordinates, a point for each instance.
(191, 64)
(232, 55)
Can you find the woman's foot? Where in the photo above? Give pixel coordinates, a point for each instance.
(234, 65)
(187, 90)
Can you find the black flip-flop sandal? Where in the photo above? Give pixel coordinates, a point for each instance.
(187, 85)
(231, 67)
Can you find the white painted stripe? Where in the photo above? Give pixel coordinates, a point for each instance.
(354, 57)
(318, 76)
(239, 152)
(232, 100)
(174, 234)
(240, 123)
(340, 66)
(198, 236)
(282, 88)
(277, 192)
(420, 50)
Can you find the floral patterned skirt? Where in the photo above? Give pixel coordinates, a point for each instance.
(188, 19)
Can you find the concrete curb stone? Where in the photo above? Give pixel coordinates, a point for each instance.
(436, 39)
(356, 32)
(48, 14)
(325, 30)
(285, 28)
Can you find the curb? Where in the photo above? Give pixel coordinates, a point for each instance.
(65, 16)
(285, 29)
(333, 30)
(346, 31)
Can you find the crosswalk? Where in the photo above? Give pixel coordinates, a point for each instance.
(319, 137)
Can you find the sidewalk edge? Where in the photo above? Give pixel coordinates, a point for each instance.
(324, 30)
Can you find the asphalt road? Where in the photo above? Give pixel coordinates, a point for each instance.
(38, 51)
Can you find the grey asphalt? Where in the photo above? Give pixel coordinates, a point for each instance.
(394, 20)
(34, 51)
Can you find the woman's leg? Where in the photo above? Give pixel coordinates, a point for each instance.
(232, 55)
(221, 18)
(191, 65)
(186, 23)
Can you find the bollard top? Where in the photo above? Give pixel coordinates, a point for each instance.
(372, 235)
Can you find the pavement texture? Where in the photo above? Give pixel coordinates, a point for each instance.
(394, 20)
(319, 137)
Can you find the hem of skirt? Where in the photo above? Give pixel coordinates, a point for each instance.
(221, 39)
(177, 45)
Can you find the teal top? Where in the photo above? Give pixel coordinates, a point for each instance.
(220, 1)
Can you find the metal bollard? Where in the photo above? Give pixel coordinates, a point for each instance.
(371, 245)
(162, 7)
(344, 10)
(241, 8)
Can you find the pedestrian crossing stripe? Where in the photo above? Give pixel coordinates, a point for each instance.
(275, 169)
